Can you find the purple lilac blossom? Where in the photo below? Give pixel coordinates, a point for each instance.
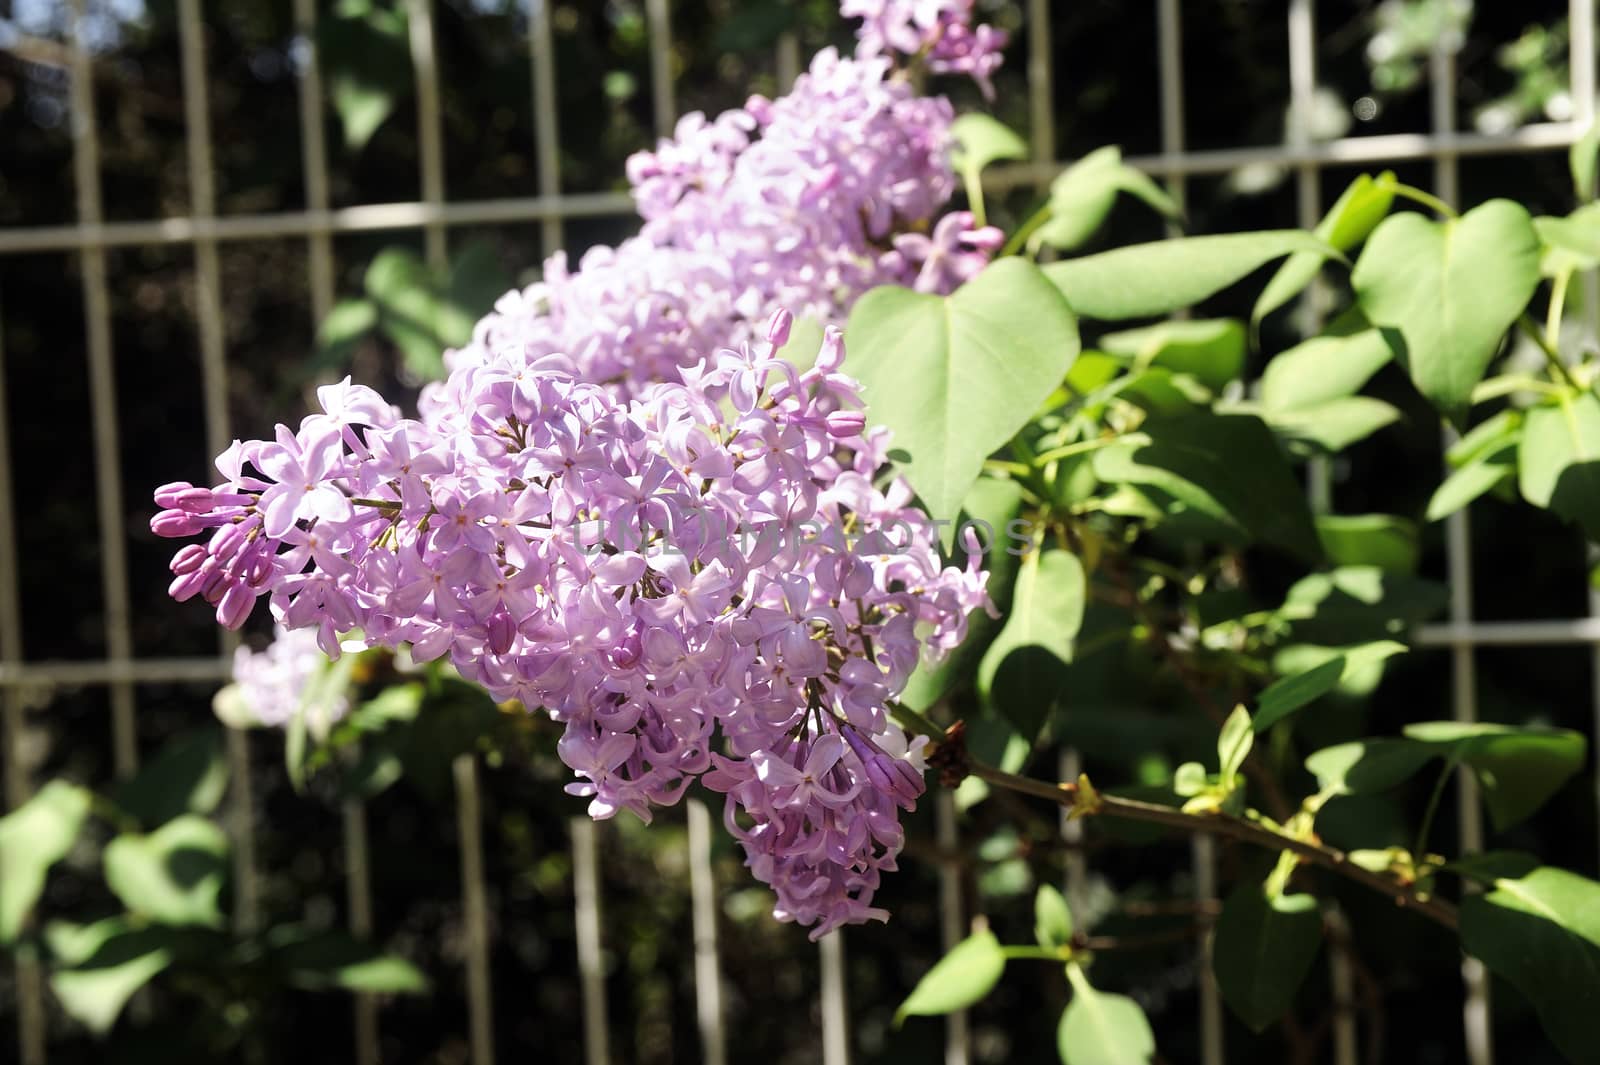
(939, 32)
(273, 681)
(803, 202)
(701, 580)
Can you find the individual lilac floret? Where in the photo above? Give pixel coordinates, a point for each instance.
(708, 566)
(939, 32)
(273, 682)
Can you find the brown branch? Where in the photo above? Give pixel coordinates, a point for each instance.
(1217, 824)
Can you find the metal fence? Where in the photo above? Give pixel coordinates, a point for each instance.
(434, 215)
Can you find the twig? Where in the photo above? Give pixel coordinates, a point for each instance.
(1217, 824)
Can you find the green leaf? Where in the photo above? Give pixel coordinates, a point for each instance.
(960, 978)
(1212, 352)
(1288, 694)
(1558, 460)
(981, 140)
(1336, 424)
(1227, 467)
(1541, 933)
(1322, 369)
(1354, 604)
(996, 503)
(412, 311)
(1234, 743)
(955, 377)
(106, 963)
(1189, 780)
(188, 776)
(1046, 613)
(477, 280)
(233, 709)
(366, 56)
(1450, 289)
(1570, 243)
(333, 959)
(1145, 280)
(348, 322)
(1362, 767)
(174, 875)
(1581, 160)
(323, 689)
(1262, 950)
(1359, 208)
(33, 837)
(1098, 1028)
(1382, 540)
(1052, 918)
(1481, 475)
(1518, 768)
(1082, 195)
(1489, 866)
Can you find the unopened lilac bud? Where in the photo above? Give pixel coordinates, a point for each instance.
(502, 632)
(227, 540)
(831, 355)
(168, 494)
(186, 585)
(778, 328)
(235, 606)
(189, 558)
(844, 424)
(196, 500)
(175, 523)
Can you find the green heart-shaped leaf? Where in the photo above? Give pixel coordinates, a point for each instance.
(956, 376)
(1450, 289)
(173, 876)
(1542, 933)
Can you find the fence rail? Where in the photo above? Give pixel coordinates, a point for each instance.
(434, 215)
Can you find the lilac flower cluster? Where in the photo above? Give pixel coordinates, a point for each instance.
(939, 32)
(804, 202)
(488, 534)
(273, 681)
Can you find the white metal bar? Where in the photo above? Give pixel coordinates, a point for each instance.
(1557, 632)
(475, 907)
(1174, 161)
(70, 674)
(788, 60)
(1169, 47)
(430, 149)
(1203, 858)
(314, 158)
(18, 786)
(1581, 59)
(835, 1008)
(1458, 547)
(1171, 163)
(102, 398)
(1068, 766)
(707, 968)
(663, 101)
(288, 224)
(214, 390)
(1041, 82)
(591, 964)
(952, 919)
(358, 898)
(1468, 634)
(546, 121)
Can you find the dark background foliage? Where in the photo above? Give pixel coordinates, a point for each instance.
(1235, 87)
